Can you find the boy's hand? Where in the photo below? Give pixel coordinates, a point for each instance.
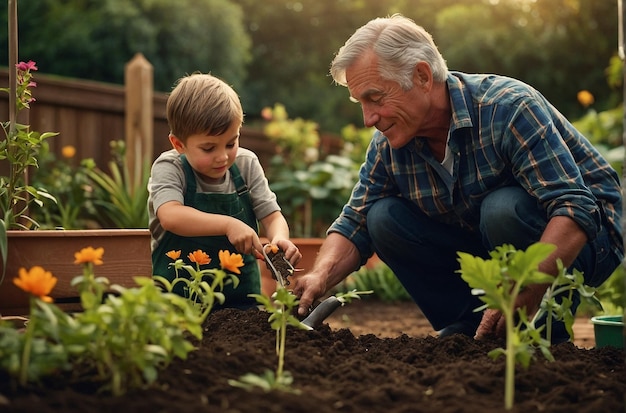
(292, 253)
(243, 238)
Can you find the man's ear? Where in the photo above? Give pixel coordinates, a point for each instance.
(177, 143)
(423, 76)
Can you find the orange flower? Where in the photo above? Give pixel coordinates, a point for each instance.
(230, 262)
(89, 254)
(585, 98)
(266, 113)
(200, 257)
(37, 281)
(173, 254)
(274, 248)
(68, 151)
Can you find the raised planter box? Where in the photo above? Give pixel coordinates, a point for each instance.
(126, 255)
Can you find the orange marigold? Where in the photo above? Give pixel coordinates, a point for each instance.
(173, 254)
(230, 262)
(200, 257)
(585, 98)
(37, 281)
(89, 254)
(68, 151)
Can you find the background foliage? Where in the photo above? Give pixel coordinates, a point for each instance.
(93, 39)
(279, 51)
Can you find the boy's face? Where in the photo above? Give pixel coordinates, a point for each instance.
(210, 156)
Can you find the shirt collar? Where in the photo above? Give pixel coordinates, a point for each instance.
(459, 98)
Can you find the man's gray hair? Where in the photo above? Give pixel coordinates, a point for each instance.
(400, 45)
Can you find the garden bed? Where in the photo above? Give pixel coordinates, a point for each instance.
(336, 371)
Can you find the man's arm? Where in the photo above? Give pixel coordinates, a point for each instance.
(569, 239)
(337, 258)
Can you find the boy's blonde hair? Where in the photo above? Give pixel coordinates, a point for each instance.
(202, 104)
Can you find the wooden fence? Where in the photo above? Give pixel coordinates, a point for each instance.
(88, 115)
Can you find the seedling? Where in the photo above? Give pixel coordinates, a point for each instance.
(498, 282)
(561, 310)
(280, 306)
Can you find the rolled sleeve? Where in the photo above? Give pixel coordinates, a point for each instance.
(589, 218)
(374, 183)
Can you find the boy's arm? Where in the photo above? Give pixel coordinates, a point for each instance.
(186, 221)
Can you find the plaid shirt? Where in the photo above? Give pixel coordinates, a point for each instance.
(502, 133)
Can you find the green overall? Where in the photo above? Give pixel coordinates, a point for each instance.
(237, 205)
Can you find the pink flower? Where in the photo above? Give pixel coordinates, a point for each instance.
(30, 65)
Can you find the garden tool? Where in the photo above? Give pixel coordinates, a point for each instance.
(321, 311)
(281, 269)
(279, 266)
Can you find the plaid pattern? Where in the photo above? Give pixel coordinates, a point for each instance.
(503, 133)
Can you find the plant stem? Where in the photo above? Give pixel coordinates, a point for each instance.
(509, 378)
(12, 64)
(511, 342)
(28, 343)
(281, 349)
(13, 44)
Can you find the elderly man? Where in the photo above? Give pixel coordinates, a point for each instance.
(461, 162)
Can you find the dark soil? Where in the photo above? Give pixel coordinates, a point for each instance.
(280, 269)
(336, 371)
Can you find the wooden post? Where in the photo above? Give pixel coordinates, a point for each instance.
(138, 79)
(622, 54)
(12, 62)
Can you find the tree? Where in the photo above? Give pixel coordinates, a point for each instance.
(294, 44)
(279, 51)
(93, 39)
(558, 46)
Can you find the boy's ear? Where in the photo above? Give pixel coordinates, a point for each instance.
(177, 143)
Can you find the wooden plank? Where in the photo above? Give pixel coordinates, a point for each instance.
(67, 106)
(126, 254)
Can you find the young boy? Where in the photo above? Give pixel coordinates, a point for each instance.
(208, 193)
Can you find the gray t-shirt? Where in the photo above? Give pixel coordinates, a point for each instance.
(167, 183)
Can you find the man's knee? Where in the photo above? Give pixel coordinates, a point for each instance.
(511, 216)
(383, 216)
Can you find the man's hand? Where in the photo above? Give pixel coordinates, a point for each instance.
(336, 258)
(493, 323)
(491, 326)
(308, 288)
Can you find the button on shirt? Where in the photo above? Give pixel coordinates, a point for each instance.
(503, 133)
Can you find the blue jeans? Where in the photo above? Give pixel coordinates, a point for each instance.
(423, 253)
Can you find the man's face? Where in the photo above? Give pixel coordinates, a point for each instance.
(397, 113)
